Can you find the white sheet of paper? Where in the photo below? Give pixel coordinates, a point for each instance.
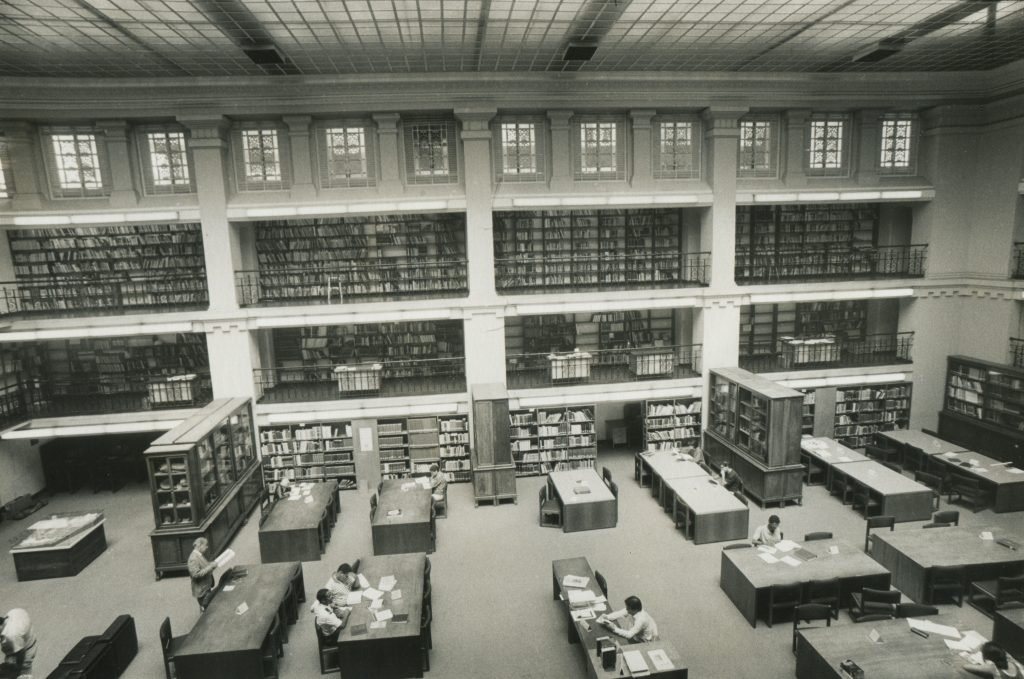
(973, 640)
(226, 556)
(384, 614)
(986, 535)
(378, 624)
(293, 497)
(363, 582)
(396, 594)
(875, 636)
(786, 545)
(309, 499)
(767, 549)
(387, 583)
(376, 604)
(582, 614)
(229, 588)
(599, 606)
(958, 645)
(767, 558)
(371, 593)
(932, 627)
(660, 660)
(353, 598)
(790, 560)
(242, 608)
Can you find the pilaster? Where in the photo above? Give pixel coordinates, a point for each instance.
(485, 346)
(791, 156)
(233, 355)
(718, 228)
(868, 139)
(302, 189)
(643, 148)
(122, 188)
(388, 147)
(561, 151)
(29, 184)
(476, 150)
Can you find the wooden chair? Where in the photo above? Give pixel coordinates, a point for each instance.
(550, 509)
(783, 599)
(614, 487)
(883, 454)
(271, 651)
(934, 482)
(641, 473)
(865, 502)
(871, 601)
(328, 650)
(299, 583)
(967, 491)
(602, 583)
(825, 592)
(169, 645)
(806, 613)
(914, 459)
(949, 516)
(606, 474)
(841, 486)
(441, 506)
(945, 580)
(741, 497)
(426, 641)
(819, 535)
(911, 610)
(373, 506)
(877, 522)
(996, 593)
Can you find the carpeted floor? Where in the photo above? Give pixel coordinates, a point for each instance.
(493, 612)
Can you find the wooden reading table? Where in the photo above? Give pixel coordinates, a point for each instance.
(393, 651)
(665, 465)
(293, 529)
(586, 632)
(1008, 630)
(707, 511)
(1004, 483)
(224, 643)
(821, 453)
(587, 503)
(898, 496)
(746, 578)
(402, 523)
(915, 438)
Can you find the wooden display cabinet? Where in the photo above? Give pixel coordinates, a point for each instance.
(494, 474)
(204, 480)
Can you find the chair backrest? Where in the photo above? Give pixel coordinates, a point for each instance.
(964, 484)
(601, 582)
(933, 481)
(786, 593)
(949, 516)
(543, 494)
(614, 487)
(947, 574)
(911, 610)
(880, 596)
(606, 474)
(936, 525)
(165, 636)
(819, 535)
(874, 451)
(1010, 588)
(809, 612)
(882, 522)
(824, 586)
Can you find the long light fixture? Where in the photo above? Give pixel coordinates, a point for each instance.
(358, 413)
(610, 305)
(425, 205)
(91, 429)
(624, 199)
(834, 196)
(834, 296)
(843, 380)
(96, 218)
(610, 395)
(352, 317)
(97, 331)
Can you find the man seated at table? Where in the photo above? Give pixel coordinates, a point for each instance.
(769, 534)
(643, 628)
(330, 618)
(341, 583)
(438, 483)
(728, 477)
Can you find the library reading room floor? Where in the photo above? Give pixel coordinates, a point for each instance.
(491, 576)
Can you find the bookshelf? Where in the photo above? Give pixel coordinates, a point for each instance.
(670, 424)
(61, 268)
(761, 325)
(309, 452)
(453, 448)
(605, 332)
(861, 411)
(552, 439)
(983, 408)
(540, 250)
(807, 411)
(393, 445)
(754, 424)
(370, 256)
(795, 241)
(327, 345)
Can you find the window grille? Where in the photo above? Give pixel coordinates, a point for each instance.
(346, 154)
(431, 151)
(676, 149)
(599, 149)
(76, 162)
(758, 148)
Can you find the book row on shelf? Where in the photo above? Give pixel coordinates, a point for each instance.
(552, 434)
(671, 423)
(542, 468)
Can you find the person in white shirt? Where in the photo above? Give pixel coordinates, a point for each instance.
(438, 483)
(329, 617)
(644, 628)
(18, 642)
(995, 663)
(341, 583)
(769, 534)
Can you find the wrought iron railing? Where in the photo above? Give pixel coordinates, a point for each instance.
(420, 277)
(48, 296)
(109, 394)
(365, 380)
(815, 353)
(606, 271)
(524, 371)
(1017, 352)
(825, 262)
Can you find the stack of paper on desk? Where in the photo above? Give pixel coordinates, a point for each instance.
(579, 598)
(786, 545)
(635, 663)
(933, 627)
(661, 660)
(363, 582)
(371, 593)
(582, 613)
(767, 558)
(353, 598)
(575, 581)
(387, 583)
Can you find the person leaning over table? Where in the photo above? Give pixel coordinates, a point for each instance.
(329, 617)
(728, 477)
(18, 642)
(769, 534)
(341, 583)
(995, 663)
(644, 628)
(201, 572)
(282, 489)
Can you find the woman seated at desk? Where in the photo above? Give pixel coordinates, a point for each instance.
(644, 628)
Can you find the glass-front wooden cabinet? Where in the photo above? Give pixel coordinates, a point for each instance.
(204, 481)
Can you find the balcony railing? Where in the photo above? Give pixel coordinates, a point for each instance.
(61, 398)
(1018, 261)
(380, 281)
(830, 263)
(820, 353)
(1017, 352)
(415, 377)
(525, 371)
(46, 296)
(606, 271)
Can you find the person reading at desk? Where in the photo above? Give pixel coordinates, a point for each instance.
(282, 489)
(438, 483)
(18, 642)
(995, 663)
(329, 617)
(643, 629)
(728, 477)
(201, 572)
(769, 534)
(342, 582)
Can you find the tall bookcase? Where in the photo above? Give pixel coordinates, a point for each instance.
(54, 266)
(370, 256)
(316, 452)
(861, 411)
(983, 408)
(754, 424)
(673, 423)
(807, 412)
(536, 251)
(550, 439)
(804, 234)
(761, 325)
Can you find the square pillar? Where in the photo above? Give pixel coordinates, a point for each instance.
(718, 229)
(302, 188)
(791, 156)
(29, 188)
(233, 354)
(388, 147)
(476, 150)
(561, 151)
(122, 190)
(485, 347)
(643, 149)
(867, 151)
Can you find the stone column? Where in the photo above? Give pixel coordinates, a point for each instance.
(122, 190)
(476, 148)
(561, 151)
(388, 145)
(791, 156)
(643, 149)
(303, 189)
(718, 229)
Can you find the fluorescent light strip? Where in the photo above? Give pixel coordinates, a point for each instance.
(624, 305)
(612, 395)
(585, 200)
(775, 197)
(843, 380)
(96, 331)
(97, 219)
(690, 198)
(92, 429)
(836, 295)
(860, 195)
(825, 195)
(270, 212)
(37, 220)
(630, 200)
(356, 413)
(889, 195)
(540, 201)
(322, 210)
(349, 317)
(423, 205)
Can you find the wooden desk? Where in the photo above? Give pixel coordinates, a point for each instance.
(225, 644)
(903, 498)
(394, 650)
(903, 654)
(411, 529)
(911, 554)
(586, 632)
(584, 511)
(292, 531)
(709, 512)
(1008, 630)
(820, 452)
(1006, 487)
(746, 579)
(931, 445)
(665, 465)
